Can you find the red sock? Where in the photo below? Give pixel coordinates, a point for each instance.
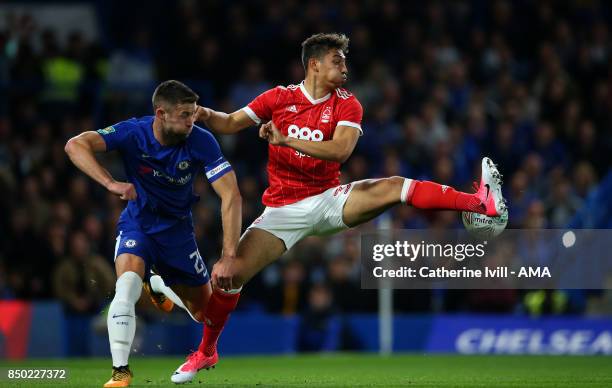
(431, 195)
(220, 305)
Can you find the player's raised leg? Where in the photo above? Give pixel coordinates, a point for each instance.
(121, 319)
(371, 197)
(257, 248)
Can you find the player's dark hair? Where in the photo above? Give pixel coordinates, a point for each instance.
(319, 44)
(173, 93)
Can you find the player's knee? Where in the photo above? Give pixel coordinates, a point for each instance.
(128, 262)
(391, 185)
(395, 182)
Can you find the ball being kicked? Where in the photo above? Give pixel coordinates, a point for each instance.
(484, 227)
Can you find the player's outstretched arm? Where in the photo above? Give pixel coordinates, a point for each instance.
(338, 149)
(226, 188)
(81, 150)
(223, 123)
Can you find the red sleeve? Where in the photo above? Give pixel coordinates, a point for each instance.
(261, 108)
(350, 114)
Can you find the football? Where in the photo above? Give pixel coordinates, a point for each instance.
(484, 227)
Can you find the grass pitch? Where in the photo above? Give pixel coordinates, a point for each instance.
(342, 370)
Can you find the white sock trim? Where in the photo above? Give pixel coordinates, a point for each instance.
(231, 292)
(405, 188)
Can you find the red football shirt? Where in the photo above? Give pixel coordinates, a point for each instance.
(293, 175)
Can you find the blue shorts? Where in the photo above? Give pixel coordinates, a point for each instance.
(173, 253)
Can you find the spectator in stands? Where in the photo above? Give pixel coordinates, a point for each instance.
(252, 84)
(82, 281)
(288, 296)
(562, 204)
(471, 83)
(318, 328)
(29, 257)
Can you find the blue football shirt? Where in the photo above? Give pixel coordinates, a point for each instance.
(163, 176)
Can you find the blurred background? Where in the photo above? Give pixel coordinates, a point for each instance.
(442, 83)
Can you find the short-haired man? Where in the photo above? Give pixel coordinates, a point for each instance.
(162, 155)
(312, 128)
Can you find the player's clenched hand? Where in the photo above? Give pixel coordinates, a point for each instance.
(264, 129)
(124, 190)
(202, 113)
(269, 132)
(222, 273)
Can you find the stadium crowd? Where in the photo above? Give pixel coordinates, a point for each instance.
(528, 83)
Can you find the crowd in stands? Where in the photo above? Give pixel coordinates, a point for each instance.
(442, 83)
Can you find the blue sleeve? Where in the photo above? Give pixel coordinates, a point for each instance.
(215, 164)
(116, 135)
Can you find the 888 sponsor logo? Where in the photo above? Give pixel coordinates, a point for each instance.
(304, 133)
